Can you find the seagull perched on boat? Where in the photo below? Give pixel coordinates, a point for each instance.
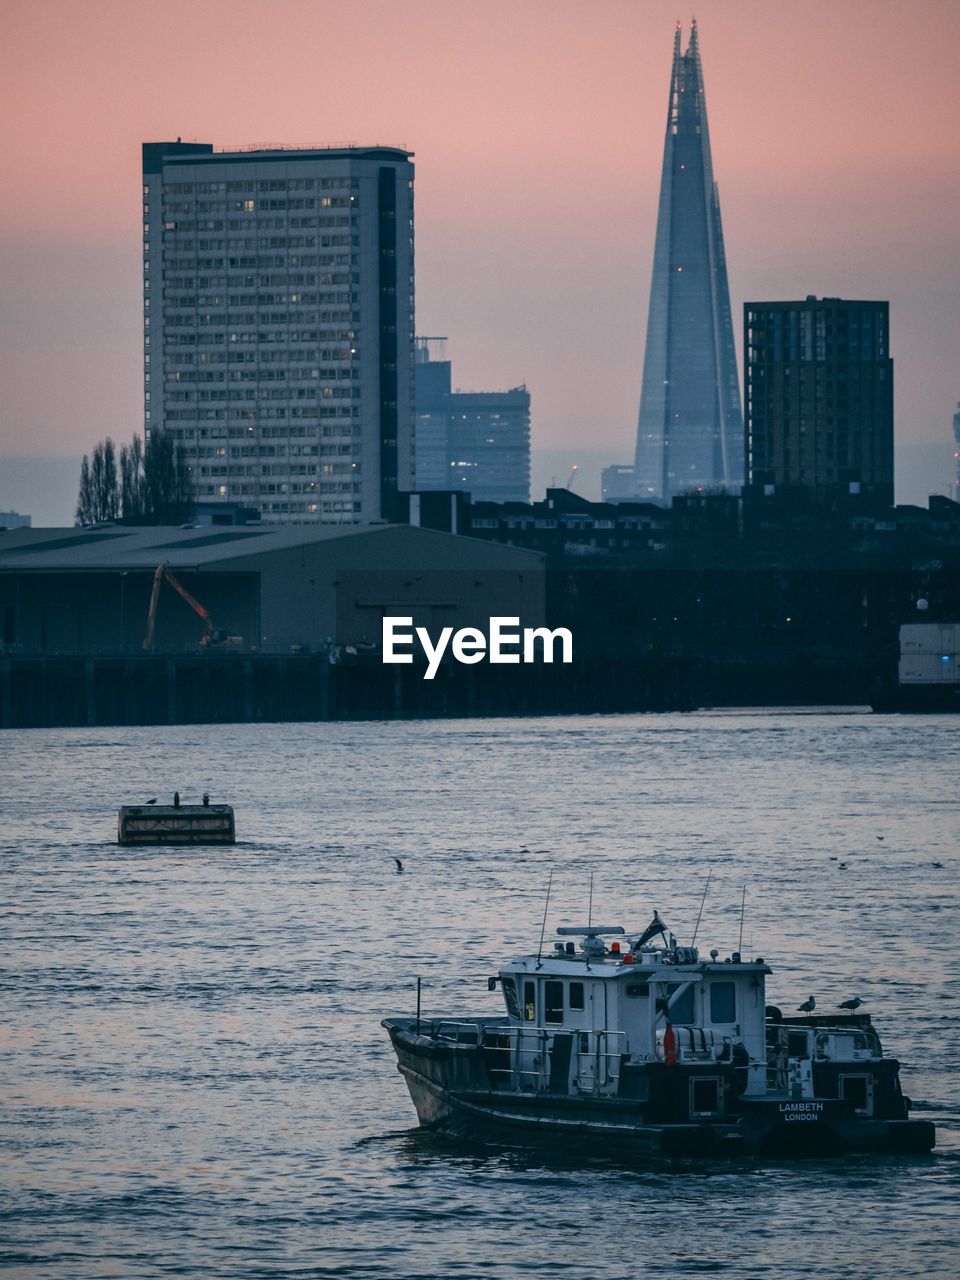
(853, 1005)
(808, 1006)
(399, 866)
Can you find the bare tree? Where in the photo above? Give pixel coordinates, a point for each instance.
(99, 496)
(167, 484)
(152, 486)
(85, 501)
(131, 481)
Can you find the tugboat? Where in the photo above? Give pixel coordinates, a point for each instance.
(649, 1047)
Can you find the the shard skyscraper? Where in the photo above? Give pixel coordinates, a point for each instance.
(690, 430)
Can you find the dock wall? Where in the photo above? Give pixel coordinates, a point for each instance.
(211, 688)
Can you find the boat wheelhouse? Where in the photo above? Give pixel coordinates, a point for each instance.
(653, 1047)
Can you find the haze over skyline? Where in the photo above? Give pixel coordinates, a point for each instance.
(538, 133)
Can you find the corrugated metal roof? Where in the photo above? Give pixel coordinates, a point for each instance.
(117, 548)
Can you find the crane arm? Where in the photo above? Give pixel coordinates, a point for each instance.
(161, 573)
(195, 605)
(152, 610)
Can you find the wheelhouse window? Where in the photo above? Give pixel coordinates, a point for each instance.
(510, 996)
(723, 1002)
(553, 1002)
(529, 1001)
(576, 996)
(681, 1011)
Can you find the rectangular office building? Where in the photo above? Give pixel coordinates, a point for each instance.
(279, 324)
(819, 397)
(474, 442)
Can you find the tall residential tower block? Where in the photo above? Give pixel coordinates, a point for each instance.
(690, 428)
(819, 392)
(279, 324)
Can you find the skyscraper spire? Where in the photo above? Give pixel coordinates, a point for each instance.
(690, 429)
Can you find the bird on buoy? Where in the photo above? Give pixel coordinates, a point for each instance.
(399, 866)
(853, 1005)
(153, 801)
(808, 1006)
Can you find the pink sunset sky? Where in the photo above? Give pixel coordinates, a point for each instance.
(538, 132)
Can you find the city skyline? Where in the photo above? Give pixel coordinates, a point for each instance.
(830, 185)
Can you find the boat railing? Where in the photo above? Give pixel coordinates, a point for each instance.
(518, 1056)
(522, 1058)
(459, 1032)
(598, 1060)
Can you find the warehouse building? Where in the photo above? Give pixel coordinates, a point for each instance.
(117, 590)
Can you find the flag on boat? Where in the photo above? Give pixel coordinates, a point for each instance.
(655, 926)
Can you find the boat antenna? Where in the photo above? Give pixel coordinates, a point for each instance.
(543, 927)
(700, 912)
(590, 904)
(743, 903)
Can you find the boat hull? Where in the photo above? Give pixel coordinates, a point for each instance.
(451, 1089)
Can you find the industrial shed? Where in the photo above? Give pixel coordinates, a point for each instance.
(269, 589)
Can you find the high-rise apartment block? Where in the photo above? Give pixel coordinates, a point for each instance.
(279, 324)
(819, 397)
(474, 441)
(690, 427)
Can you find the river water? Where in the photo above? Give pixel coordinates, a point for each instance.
(194, 1079)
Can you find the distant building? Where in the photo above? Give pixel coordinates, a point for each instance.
(278, 324)
(956, 453)
(475, 442)
(618, 484)
(12, 520)
(432, 397)
(819, 397)
(690, 427)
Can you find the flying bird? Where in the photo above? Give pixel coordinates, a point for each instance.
(881, 837)
(808, 1006)
(399, 866)
(938, 865)
(853, 1005)
(833, 857)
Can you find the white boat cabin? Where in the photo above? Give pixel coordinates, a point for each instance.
(639, 1003)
